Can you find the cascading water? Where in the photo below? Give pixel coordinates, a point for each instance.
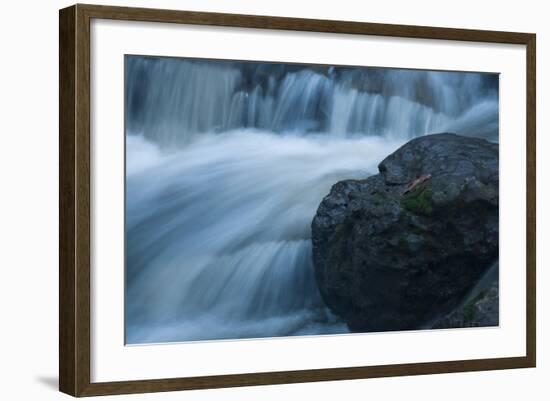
(226, 165)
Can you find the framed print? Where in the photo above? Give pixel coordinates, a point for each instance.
(250, 200)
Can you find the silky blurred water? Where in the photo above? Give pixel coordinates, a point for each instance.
(226, 165)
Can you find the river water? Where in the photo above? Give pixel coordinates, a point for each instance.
(226, 164)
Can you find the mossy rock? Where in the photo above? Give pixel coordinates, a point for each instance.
(385, 259)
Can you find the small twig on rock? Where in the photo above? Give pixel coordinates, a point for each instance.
(413, 184)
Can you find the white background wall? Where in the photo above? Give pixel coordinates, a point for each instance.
(29, 184)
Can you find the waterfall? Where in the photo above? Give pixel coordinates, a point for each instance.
(226, 163)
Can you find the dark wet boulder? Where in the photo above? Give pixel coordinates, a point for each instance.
(480, 310)
(405, 246)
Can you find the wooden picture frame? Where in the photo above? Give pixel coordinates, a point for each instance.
(74, 200)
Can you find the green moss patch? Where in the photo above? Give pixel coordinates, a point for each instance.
(418, 201)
